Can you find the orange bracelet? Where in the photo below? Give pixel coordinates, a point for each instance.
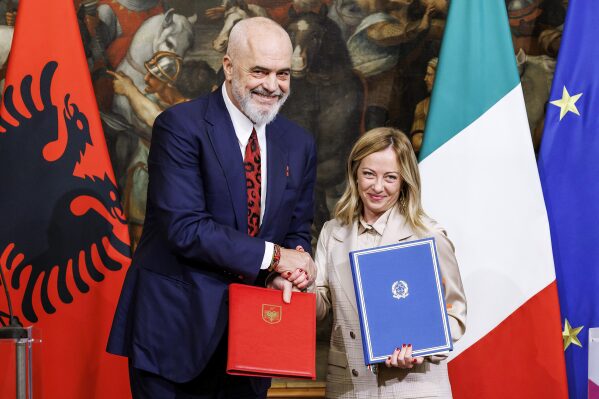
(276, 257)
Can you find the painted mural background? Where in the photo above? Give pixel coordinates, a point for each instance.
(357, 64)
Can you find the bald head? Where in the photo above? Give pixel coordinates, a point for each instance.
(248, 32)
(257, 68)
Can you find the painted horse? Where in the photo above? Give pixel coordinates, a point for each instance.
(327, 100)
(164, 32)
(235, 11)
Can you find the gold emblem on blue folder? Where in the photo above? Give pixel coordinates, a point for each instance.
(271, 313)
(399, 289)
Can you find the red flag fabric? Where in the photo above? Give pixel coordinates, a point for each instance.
(64, 244)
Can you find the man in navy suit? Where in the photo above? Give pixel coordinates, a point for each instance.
(230, 198)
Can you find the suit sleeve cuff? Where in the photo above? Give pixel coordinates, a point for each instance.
(269, 248)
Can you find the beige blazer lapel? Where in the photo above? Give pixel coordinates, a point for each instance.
(397, 228)
(346, 240)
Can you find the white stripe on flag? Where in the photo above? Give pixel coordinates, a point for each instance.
(484, 187)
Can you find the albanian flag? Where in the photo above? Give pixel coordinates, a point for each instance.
(64, 245)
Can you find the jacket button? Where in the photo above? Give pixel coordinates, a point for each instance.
(355, 372)
(352, 335)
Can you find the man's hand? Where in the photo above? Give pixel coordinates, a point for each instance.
(297, 267)
(122, 83)
(215, 13)
(279, 283)
(425, 23)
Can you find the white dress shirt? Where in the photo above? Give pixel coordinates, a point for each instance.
(243, 129)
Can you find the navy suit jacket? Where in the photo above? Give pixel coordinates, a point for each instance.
(173, 308)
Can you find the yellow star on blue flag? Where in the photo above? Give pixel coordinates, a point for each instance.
(567, 103)
(570, 334)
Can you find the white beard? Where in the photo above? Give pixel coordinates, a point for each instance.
(252, 110)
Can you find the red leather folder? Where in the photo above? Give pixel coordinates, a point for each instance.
(270, 338)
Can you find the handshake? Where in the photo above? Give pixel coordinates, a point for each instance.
(295, 271)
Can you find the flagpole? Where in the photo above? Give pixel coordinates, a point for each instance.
(20, 336)
(15, 331)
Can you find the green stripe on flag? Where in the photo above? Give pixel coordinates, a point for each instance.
(476, 69)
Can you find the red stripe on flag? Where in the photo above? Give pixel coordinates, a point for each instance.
(522, 357)
(593, 390)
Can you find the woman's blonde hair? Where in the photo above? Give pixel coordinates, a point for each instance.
(350, 205)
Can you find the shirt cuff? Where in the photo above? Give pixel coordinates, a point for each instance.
(269, 248)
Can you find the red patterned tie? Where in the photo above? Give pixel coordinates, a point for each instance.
(253, 177)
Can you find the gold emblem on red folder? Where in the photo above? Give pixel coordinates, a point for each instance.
(271, 313)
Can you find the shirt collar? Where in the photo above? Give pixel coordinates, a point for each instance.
(378, 226)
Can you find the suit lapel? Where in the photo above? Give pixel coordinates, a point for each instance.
(226, 146)
(277, 161)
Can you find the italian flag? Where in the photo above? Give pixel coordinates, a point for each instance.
(480, 182)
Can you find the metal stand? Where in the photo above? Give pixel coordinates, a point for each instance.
(21, 336)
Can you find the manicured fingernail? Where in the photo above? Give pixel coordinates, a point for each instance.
(397, 349)
(301, 270)
(288, 274)
(414, 361)
(409, 345)
(403, 346)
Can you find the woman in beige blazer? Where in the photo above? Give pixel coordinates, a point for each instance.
(380, 206)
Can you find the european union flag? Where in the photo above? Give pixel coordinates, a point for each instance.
(569, 169)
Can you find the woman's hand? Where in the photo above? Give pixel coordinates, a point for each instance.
(402, 358)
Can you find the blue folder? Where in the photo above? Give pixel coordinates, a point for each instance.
(400, 299)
